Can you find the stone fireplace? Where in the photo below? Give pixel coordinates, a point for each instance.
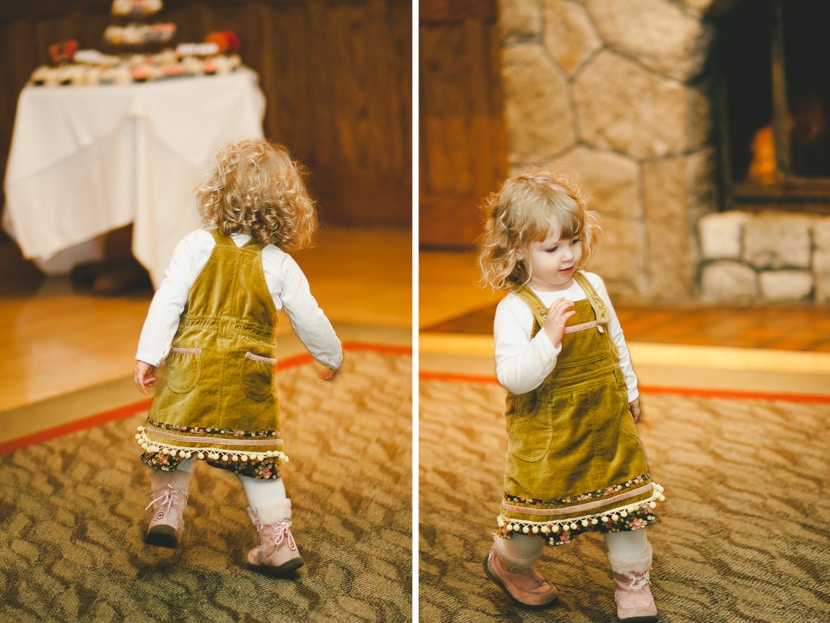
(626, 99)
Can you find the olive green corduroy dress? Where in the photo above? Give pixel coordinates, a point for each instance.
(574, 462)
(215, 398)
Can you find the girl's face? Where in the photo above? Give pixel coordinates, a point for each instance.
(553, 261)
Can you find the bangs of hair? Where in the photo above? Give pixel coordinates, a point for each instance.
(538, 205)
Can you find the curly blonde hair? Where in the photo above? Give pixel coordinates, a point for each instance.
(519, 213)
(257, 188)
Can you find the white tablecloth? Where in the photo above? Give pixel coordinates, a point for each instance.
(88, 159)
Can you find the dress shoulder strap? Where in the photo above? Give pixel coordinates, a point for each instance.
(221, 239)
(597, 304)
(225, 241)
(540, 312)
(254, 244)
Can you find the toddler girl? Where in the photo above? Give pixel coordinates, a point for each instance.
(574, 460)
(212, 328)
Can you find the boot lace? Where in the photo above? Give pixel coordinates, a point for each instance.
(168, 497)
(638, 580)
(282, 534)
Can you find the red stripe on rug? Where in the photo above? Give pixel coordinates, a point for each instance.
(675, 391)
(737, 394)
(128, 410)
(458, 378)
(303, 358)
(74, 426)
(389, 349)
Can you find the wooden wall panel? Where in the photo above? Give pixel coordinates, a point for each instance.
(462, 153)
(336, 75)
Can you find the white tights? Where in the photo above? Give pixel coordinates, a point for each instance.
(521, 551)
(259, 492)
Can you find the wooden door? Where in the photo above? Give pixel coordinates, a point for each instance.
(462, 154)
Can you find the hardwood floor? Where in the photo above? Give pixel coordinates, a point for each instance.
(55, 339)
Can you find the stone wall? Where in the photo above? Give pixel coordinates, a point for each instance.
(613, 93)
(769, 257)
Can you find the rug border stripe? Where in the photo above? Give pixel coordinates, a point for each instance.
(126, 411)
(68, 428)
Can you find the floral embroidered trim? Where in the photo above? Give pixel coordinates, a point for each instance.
(162, 436)
(631, 517)
(577, 508)
(225, 432)
(583, 497)
(266, 469)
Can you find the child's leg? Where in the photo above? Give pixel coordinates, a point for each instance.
(262, 492)
(178, 479)
(510, 565)
(169, 499)
(630, 556)
(522, 551)
(270, 511)
(625, 544)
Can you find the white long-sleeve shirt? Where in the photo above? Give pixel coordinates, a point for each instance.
(522, 362)
(285, 280)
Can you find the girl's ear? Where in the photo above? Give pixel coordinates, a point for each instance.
(520, 254)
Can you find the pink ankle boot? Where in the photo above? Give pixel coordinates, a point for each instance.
(635, 603)
(525, 586)
(277, 552)
(166, 524)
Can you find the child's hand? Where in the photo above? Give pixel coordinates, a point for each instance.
(326, 373)
(558, 314)
(144, 376)
(634, 407)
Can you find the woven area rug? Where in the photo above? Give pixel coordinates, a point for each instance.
(745, 530)
(72, 518)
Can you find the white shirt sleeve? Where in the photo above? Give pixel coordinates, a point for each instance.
(189, 257)
(291, 292)
(523, 363)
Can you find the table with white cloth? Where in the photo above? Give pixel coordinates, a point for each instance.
(86, 160)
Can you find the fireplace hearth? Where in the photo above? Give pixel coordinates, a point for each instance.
(773, 66)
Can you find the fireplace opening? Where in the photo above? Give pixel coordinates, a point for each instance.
(774, 91)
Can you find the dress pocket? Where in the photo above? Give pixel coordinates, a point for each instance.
(529, 436)
(183, 369)
(257, 376)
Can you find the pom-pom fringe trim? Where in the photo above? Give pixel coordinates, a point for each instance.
(508, 526)
(207, 453)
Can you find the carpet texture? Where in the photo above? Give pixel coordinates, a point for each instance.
(72, 518)
(744, 534)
